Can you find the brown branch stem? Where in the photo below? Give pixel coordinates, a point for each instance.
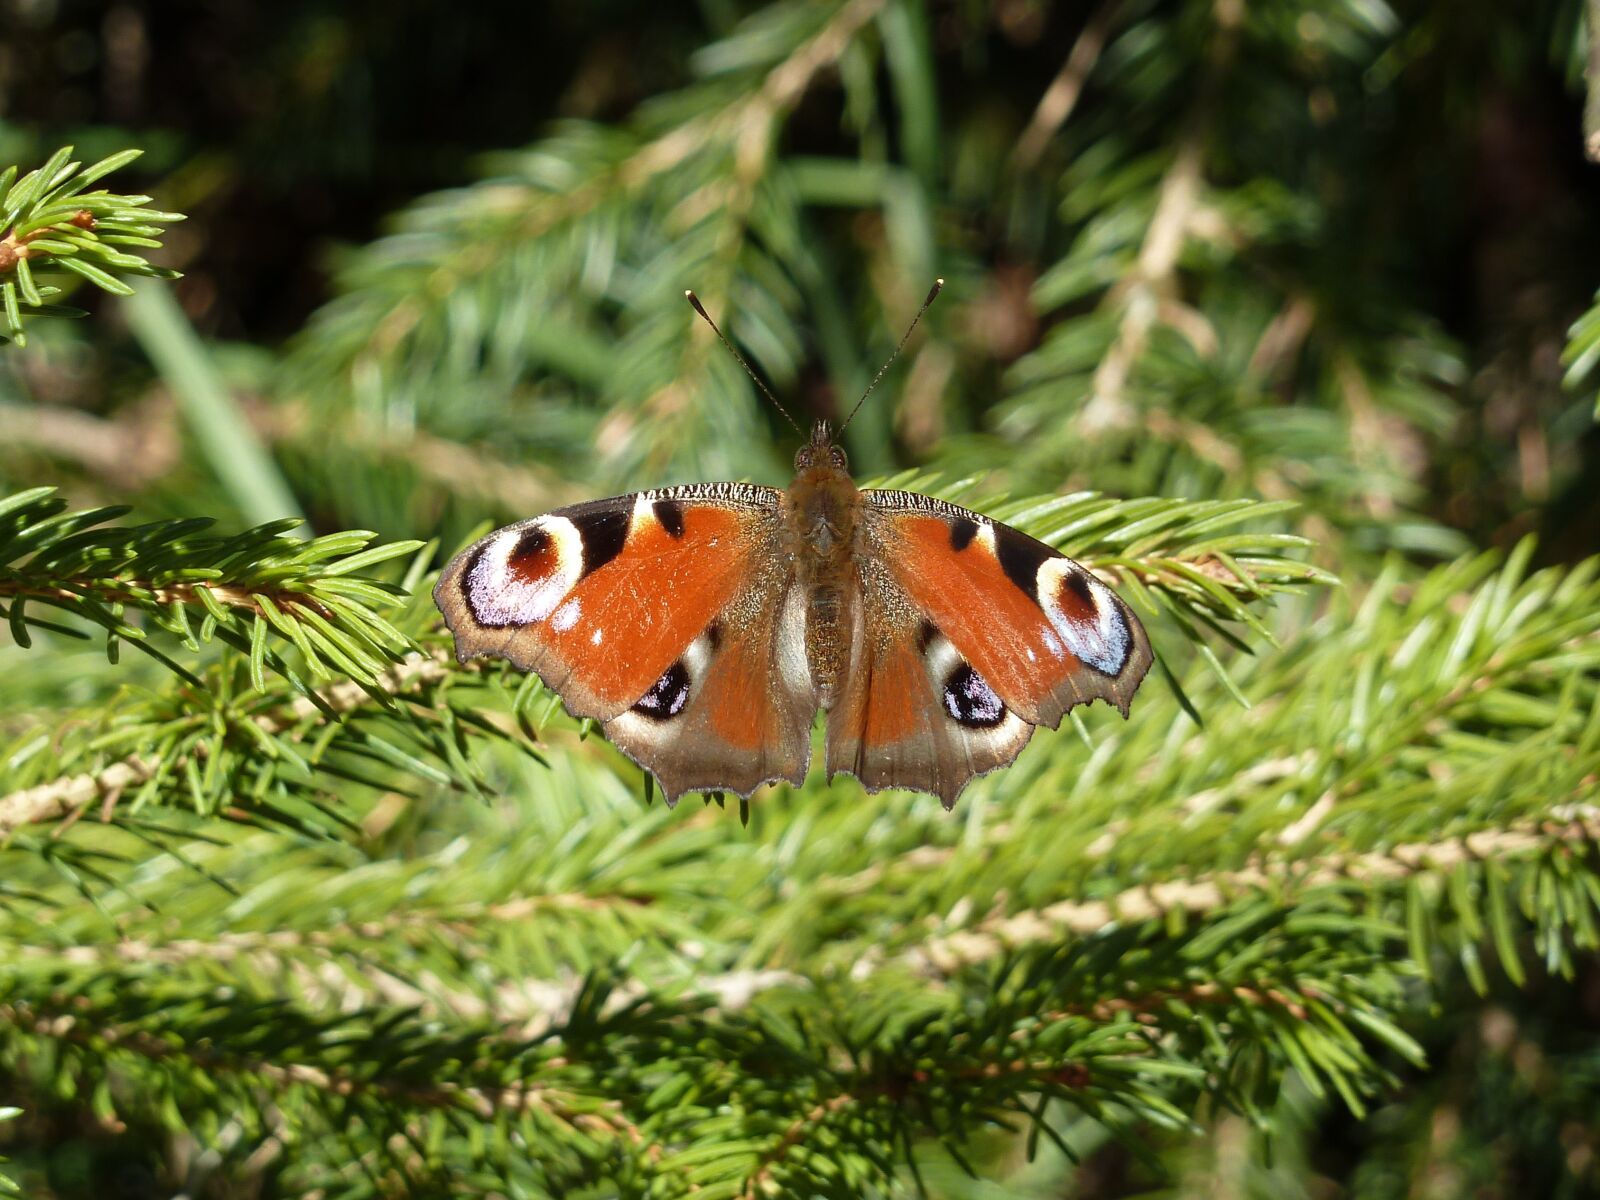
(1207, 893)
(757, 1184)
(62, 798)
(13, 248)
(133, 592)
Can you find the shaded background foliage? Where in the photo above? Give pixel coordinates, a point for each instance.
(1327, 253)
(1430, 189)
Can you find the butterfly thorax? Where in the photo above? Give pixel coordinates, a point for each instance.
(819, 520)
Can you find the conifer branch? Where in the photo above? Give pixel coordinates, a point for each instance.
(265, 595)
(253, 591)
(1165, 271)
(1149, 286)
(1299, 958)
(1514, 664)
(992, 939)
(1142, 293)
(50, 222)
(539, 1004)
(309, 677)
(610, 1078)
(1513, 649)
(276, 755)
(1061, 97)
(72, 796)
(717, 223)
(1582, 350)
(64, 1025)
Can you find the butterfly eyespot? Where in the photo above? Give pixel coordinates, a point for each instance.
(533, 557)
(667, 698)
(518, 575)
(1086, 616)
(971, 701)
(1075, 597)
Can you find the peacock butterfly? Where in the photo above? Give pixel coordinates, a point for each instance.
(704, 625)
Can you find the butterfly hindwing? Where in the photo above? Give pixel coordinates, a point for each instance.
(914, 713)
(1043, 632)
(735, 710)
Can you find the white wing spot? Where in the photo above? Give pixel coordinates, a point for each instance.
(643, 515)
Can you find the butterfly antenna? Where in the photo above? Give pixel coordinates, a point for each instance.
(932, 292)
(694, 301)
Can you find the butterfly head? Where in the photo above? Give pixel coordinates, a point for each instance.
(821, 451)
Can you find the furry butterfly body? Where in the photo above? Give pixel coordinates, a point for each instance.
(705, 626)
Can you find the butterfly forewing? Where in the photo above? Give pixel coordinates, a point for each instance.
(735, 710)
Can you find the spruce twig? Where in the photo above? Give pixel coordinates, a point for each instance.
(51, 222)
(72, 795)
(1210, 894)
(250, 590)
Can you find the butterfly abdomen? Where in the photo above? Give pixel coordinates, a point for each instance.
(820, 512)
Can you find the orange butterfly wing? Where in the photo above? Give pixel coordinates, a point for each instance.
(1041, 630)
(911, 713)
(971, 634)
(662, 614)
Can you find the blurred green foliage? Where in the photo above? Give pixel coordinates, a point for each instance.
(290, 906)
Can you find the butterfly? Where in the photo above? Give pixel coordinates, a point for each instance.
(704, 626)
